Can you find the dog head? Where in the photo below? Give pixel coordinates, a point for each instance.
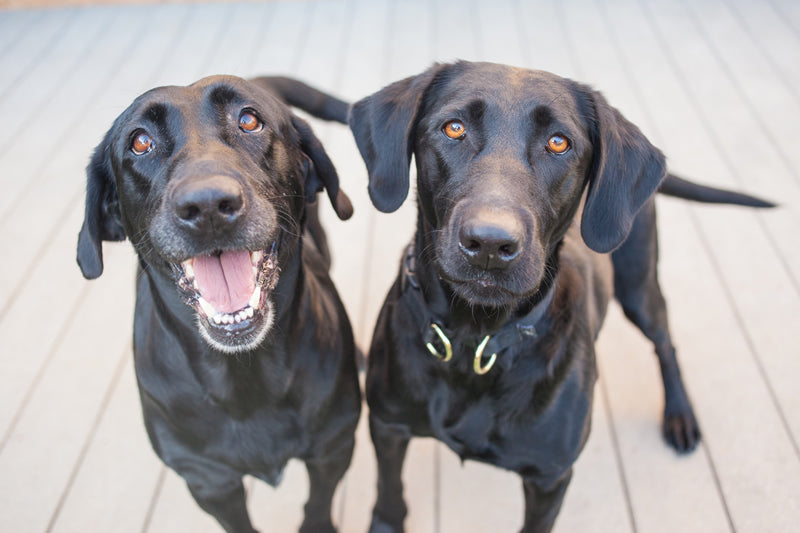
(504, 157)
(209, 183)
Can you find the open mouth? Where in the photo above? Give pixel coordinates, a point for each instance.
(229, 292)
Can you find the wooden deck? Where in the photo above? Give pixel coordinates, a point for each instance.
(715, 83)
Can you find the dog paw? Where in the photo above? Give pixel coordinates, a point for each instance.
(681, 431)
(379, 526)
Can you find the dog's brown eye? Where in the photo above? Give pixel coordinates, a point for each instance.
(249, 122)
(455, 129)
(141, 143)
(557, 144)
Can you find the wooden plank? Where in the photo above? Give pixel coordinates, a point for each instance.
(789, 12)
(113, 488)
(246, 28)
(774, 39)
(283, 41)
(500, 37)
(478, 497)
(21, 107)
(51, 432)
(365, 50)
(767, 98)
(32, 67)
(14, 25)
(657, 479)
(280, 508)
(31, 51)
(455, 27)
(544, 43)
(195, 45)
(21, 359)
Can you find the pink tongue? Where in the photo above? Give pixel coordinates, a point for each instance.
(225, 281)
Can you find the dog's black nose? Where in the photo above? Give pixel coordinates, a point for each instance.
(213, 202)
(491, 242)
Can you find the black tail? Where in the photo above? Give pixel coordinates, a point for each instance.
(302, 96)
(681, 188)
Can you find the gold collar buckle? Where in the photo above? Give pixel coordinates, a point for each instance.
(448, 347)
(476, 364)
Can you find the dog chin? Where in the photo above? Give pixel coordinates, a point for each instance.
(237, 338)
(486, 295)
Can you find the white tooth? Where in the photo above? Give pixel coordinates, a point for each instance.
(237, 319)
(255, 298)
(207, 308)
(188, 268)
(250, 312)
(217, 319)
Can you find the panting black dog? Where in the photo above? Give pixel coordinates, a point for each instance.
(244, 355)
(525, 182)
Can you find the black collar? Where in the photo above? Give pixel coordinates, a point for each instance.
(436, 337)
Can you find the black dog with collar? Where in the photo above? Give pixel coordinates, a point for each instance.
(525, 182)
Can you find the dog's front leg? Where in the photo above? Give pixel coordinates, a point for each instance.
(542, 502)
(391, 443)
(229, 507)
(323, 477)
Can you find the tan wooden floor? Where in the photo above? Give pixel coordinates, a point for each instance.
(714, 83)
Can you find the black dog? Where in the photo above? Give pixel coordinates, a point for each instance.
(486, 339)
(244, 355)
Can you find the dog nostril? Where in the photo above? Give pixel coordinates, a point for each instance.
(188, 212)
(228, 207)
(473, 246)
(508, 251)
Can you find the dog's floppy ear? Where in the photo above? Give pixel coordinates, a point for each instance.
(102, 220)
(321, 173)
(626, 170)
(382, 124)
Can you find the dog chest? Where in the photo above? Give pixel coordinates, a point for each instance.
(517, 428)
(260, 444)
